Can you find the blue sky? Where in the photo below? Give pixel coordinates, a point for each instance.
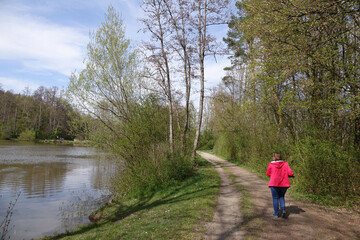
(43, 41)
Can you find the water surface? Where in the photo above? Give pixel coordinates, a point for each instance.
(59, 186)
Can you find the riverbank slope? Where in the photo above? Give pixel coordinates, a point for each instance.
(178, 211)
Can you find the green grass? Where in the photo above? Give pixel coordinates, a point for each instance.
(175, 212)
(327, 201)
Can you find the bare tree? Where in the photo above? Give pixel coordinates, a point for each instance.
(179, 12)
(156, 22)
(182, 26)
(208, 13)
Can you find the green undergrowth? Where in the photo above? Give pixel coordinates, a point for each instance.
(177, 211)
(327, 201)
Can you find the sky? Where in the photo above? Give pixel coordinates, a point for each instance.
(43, 41)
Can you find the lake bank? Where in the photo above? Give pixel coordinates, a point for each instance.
(176, 212)
(84, 143)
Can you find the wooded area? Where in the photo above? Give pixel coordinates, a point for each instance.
(43, 114)
(293, 87)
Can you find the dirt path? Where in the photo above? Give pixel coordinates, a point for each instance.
(304, 221)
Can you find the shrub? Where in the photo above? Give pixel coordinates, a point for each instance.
(324, 168)
(5, 132)
(151, 173)
(227, 145)
(206, 141)
(27, 135)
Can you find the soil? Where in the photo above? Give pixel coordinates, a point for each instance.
(302, 220)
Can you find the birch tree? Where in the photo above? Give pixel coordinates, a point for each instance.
(156, 23)
(208, 13)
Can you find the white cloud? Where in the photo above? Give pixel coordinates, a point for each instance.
(18, 85)
(40, 45)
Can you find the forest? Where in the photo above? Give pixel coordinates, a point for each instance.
(292, 87)
(42, 114)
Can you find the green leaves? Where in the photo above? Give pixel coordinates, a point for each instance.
(294, 86)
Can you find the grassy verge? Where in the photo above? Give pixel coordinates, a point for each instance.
(175, 212)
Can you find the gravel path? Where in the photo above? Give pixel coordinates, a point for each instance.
(303, 221)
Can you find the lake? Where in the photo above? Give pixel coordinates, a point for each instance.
(59, 186)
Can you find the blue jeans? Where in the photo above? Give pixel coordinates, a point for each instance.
(278, 195)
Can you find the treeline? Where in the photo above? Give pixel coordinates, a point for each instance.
(42, 114)
(293, 87)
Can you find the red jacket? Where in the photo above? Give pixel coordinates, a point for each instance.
(279, 172)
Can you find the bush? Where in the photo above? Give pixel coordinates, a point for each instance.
(178, 166)
(324, 168)
(5, 132)
(228, 145)
(27, 135)
(151, 173)
(206, 141)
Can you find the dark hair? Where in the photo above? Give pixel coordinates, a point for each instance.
(277, 156)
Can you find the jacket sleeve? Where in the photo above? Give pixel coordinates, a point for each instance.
(290, 172)
(268, 171)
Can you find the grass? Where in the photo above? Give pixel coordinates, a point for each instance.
(178, 211)
(327, 201)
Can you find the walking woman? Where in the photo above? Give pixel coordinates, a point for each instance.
(279, 173)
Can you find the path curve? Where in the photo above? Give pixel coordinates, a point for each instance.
(304, 220)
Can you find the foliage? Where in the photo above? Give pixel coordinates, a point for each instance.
(324, 168)
(44, 112)
(293, 87)
(150, 164)
(106, 89)
(129, 120)
(150, 174)
(27, 135)
(206, 141)
(180, 41)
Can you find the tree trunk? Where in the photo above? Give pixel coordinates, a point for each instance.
(15, 119)
(202, 42)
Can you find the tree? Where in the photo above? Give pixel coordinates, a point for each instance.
(179, 31)
(106, 87)
(208, 13)
(157, 24)
(180, 23)
(302, 78)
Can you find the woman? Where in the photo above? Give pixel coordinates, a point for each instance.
(279, 173)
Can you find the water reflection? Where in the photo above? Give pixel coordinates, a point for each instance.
(60, 185)
(35, 180)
